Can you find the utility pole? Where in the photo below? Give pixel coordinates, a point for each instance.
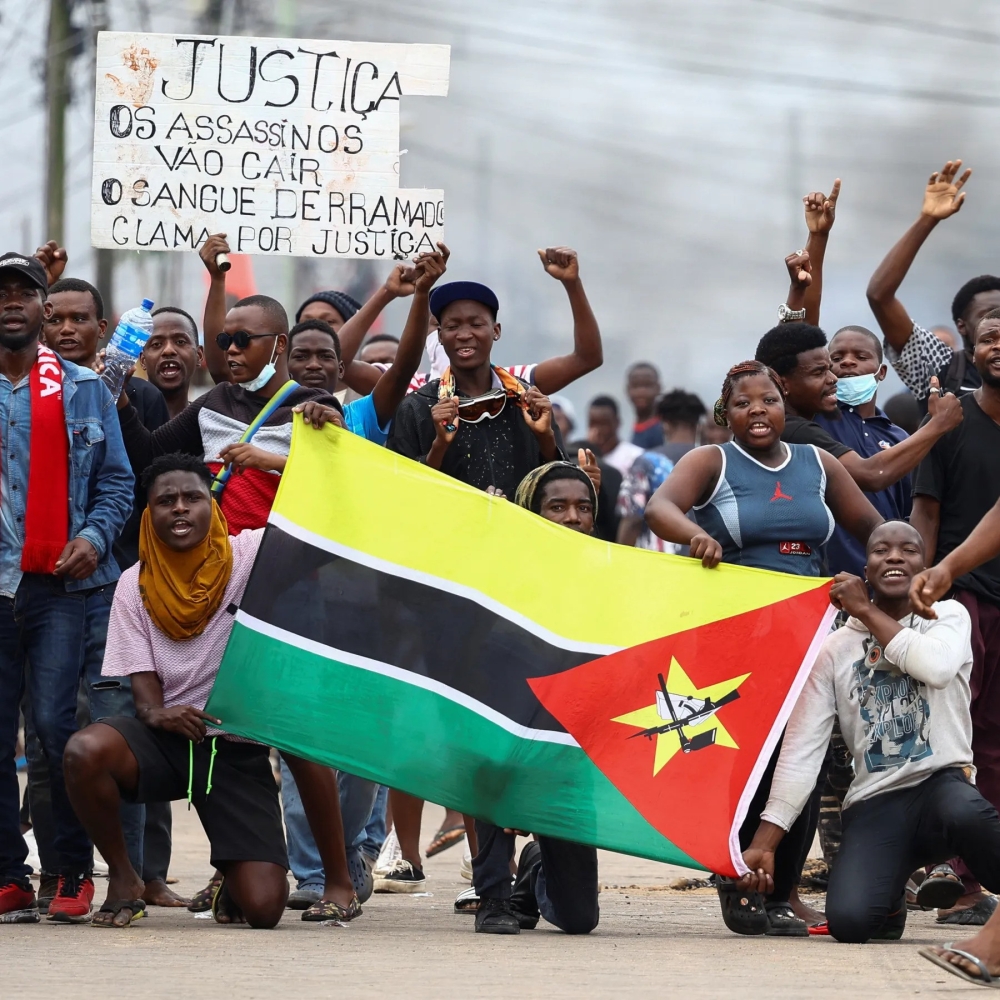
(56, 99)
(105, 269)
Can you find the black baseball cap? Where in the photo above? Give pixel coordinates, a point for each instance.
(455, 291)
(28, 267)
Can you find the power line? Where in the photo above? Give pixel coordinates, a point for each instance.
(934, 28)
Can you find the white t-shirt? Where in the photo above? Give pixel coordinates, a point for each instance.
(904, 714)
(622, 456)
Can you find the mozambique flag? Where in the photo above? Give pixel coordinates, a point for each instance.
(412, 630)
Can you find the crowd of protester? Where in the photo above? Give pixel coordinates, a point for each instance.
(129, 527)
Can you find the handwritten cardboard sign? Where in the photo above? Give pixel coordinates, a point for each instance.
(290, 146)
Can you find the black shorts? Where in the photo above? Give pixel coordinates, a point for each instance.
(241, 814)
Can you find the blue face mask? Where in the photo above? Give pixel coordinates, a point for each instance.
(267, 373)
(856, 390)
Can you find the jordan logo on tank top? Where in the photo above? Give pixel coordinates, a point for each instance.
(778, 495)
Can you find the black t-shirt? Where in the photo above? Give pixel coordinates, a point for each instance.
(798, 430)
(962, 472)
(498, 452)
(152, 410)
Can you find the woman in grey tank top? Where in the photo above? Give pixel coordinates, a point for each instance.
(763, 503)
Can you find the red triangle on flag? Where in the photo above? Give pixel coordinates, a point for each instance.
(683, 751)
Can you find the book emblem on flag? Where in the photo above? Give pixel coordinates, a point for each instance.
(683, 717)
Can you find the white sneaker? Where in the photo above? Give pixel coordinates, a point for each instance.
(32, 859)
(388, 856)
(466, 870)
(401, 877)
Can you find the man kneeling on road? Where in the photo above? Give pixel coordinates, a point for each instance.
(900, 686)
(170, 621)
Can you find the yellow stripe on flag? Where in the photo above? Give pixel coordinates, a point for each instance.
(344, 488)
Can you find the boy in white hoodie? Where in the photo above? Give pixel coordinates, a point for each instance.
(900, 685)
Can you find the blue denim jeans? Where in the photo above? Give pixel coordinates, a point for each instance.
(46, 625)
(357, 796)
(375, 830)
(108, 697)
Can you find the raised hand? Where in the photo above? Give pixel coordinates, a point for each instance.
(54, 259)
(561, 263)
(941, 197)
(586, 460)
(401, 281)
(210, 249)
(428, 267)
(944, 408)
(821, 209)
(799, 269)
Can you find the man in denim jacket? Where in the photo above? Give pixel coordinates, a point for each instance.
(43, 615)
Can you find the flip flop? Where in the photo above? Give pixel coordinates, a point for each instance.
(742, 911)
(467, 901)
(202, 900)
(444, 839)
(973, 916)
(941, 890)
(136, 908)
(224, 906)
(327, 909)
(983, 979)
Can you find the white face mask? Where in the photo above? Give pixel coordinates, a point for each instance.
(266, 374)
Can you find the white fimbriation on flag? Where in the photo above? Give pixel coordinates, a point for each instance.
(290, 146)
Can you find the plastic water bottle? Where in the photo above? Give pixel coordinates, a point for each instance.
(126, 345)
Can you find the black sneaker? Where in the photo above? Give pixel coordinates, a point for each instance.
(401, 877)
(522, 896)
(495, 916)
(782, 922)
(48, 886)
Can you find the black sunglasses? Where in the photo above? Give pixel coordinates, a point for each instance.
(241, 339)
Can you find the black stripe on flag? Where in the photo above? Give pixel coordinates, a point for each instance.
(340, 603)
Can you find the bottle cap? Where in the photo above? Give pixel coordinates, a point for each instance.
(147, 304)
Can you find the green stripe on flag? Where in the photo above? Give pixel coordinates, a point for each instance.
(418, 741)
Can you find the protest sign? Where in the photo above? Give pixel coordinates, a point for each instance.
(290, 146)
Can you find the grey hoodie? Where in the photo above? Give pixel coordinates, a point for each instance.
(904, 710)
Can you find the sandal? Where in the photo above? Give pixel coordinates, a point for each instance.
(972, 916)
(941, 890)
(467, 901)
(444, 839)
(203, 899)
(782, 922)
(983, 979)
(327, 909)
(136, 911)
(742, 912)
(224, 908)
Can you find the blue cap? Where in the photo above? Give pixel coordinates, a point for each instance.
(147, 304)
(455, 291)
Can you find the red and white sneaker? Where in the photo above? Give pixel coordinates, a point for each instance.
(72, 902)
(17, 903)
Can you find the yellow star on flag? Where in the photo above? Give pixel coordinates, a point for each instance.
(681, 686)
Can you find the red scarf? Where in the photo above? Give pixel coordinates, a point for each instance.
(46, 521)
